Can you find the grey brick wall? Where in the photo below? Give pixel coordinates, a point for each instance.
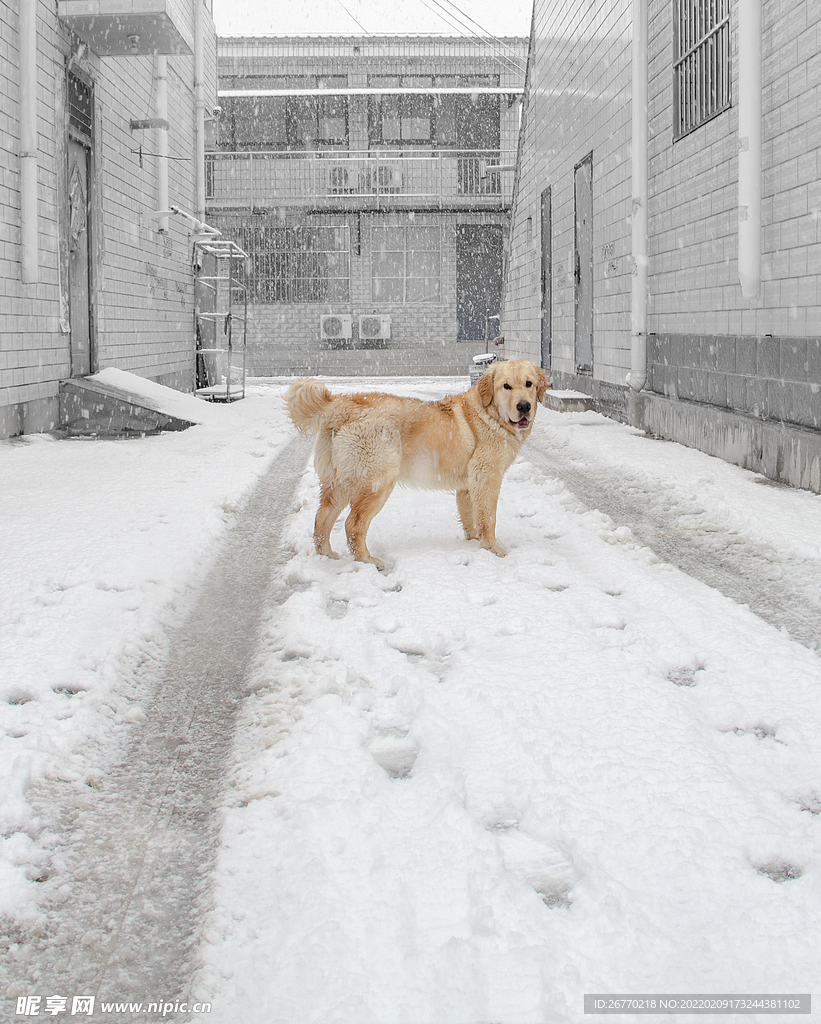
(777, 378)
(285, 338)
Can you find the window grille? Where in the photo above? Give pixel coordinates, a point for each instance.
(701, 66)
(284, 122)
(442, 121)
(405, 264)
(80, 116)
(296, 263)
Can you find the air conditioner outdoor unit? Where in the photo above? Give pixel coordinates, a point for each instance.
(336, 325)
(343, 179)
(386, 179)
(374, 327)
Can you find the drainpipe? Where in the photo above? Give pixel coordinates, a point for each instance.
(162, 140)
(749, 147)
(29, 227)
(637, 377)
(199, 111)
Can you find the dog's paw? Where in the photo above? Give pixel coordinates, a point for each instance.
(495, 547)
(326, 550)
(370, 560)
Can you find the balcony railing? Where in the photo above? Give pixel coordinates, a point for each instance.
(359, 180)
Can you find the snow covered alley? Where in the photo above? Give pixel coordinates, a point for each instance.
(464, 790)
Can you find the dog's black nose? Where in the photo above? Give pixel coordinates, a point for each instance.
(523, 407)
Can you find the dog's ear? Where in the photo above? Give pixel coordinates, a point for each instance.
(485, 386)
(542, 382)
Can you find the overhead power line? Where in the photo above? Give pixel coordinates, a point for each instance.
(359, 23)
(454, 22)
(514, 56)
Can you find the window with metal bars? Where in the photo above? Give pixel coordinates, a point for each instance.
(284, 122)
(405, 264)
(80, 110)
(702, 79)
(296, 263)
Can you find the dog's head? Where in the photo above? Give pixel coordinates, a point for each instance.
(511, 390)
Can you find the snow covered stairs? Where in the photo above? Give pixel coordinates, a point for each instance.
(567, 401)
(94, 408)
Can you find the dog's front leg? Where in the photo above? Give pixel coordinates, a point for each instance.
(464, 505)
(484, 497)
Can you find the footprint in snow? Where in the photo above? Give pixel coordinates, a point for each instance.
(394, 753)
(683, 676)
(780, 871)
(544, 867)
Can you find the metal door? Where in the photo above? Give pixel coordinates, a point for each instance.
(547, 277)
(479, 255)
(79, 284)
(584, 265)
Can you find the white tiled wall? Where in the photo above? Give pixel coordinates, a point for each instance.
(143, 283)
(578, 101)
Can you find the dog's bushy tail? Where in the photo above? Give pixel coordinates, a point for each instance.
(308, 402)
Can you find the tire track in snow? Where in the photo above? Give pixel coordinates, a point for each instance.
(133, 877)
(736, 566)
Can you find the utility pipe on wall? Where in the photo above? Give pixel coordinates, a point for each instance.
(749, 147)
(162, 140)
(637, 377)
(199, 111)
(29, 226)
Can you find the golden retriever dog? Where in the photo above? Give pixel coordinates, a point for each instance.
(368, 443)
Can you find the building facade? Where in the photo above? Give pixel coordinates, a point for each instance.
(105, 110)
(665, 254)
(358, 173)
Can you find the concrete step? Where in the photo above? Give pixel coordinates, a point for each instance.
(568, 401)
(94, 408)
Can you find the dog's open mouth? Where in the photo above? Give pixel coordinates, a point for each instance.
(523, 422)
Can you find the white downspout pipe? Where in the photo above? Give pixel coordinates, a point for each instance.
(162, 140)
(749, 147)
(199, 110)
(637, 377)
(29, 225)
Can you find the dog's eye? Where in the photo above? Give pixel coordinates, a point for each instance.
(528, 385)
(508, 387)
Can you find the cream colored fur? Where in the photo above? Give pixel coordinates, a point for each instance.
(369, 443)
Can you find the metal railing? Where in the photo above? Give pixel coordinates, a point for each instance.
(358, 180)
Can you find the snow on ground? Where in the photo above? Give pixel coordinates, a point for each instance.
(103, 542)
(466, 789)
(472, 789)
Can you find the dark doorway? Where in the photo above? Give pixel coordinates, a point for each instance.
(78, 223)
(584, 265)
(479, 253)
(547, 277)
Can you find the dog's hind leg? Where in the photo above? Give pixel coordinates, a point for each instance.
(364, 505)
(331, 502)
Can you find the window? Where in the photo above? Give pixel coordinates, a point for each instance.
(395, 119)
(701, 66)
(296, 263)
(441, 120)
(405, 264)
(284, 122)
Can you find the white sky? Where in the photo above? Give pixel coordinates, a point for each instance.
(340, 17)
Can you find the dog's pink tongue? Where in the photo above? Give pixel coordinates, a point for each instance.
(522, 422)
